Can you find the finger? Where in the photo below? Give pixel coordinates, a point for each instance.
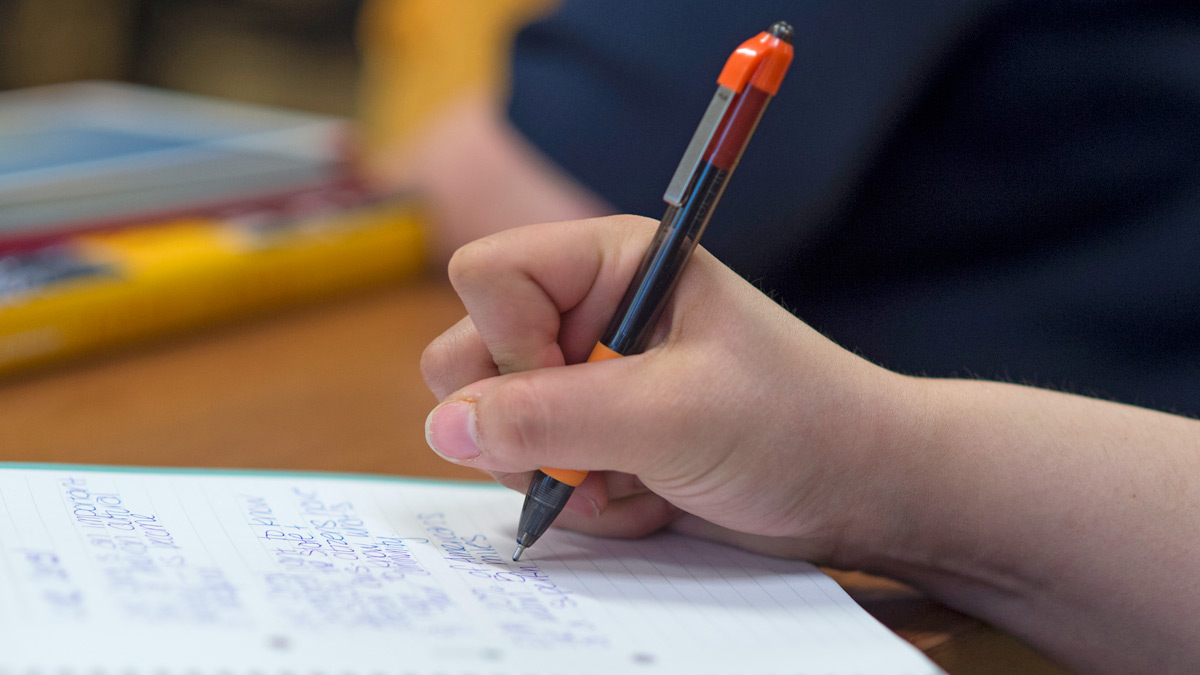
(588, 498)
(621, 485)
(459, 356)
(635, 516)
(517, 482)
(540, 295)
(638, 513)
(455, 359)
(593, 496)
(548, 417)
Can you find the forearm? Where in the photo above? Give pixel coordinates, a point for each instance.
(476, 175)
(1072, 522)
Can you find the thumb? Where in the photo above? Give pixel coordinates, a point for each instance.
(583, 416)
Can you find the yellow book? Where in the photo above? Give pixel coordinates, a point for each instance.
(101, 289)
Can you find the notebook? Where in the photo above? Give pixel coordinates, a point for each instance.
(121, 570)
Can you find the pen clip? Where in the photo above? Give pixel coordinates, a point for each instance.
(695, 150)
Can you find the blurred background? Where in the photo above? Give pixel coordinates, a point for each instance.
(84, 167)
(926, 160)
(292, 53)
(389, 63)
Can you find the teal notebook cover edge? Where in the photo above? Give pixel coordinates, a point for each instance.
(252, 473)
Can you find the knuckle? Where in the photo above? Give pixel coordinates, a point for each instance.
(453, 358)
(435, 361)
(473, 261)
(634, 223)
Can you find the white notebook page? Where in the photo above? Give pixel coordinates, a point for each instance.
(151, 571)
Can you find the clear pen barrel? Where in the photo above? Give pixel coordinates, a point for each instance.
(682, 226)
(678, 234)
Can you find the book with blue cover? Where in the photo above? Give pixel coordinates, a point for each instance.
(74, 156)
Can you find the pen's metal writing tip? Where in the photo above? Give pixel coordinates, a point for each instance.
(518, 552)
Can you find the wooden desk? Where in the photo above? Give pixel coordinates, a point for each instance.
(337, 387)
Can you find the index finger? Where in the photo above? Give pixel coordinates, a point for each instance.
(541, 295)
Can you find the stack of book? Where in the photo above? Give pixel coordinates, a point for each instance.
(128, 213)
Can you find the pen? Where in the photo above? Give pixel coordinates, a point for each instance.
(746, 84)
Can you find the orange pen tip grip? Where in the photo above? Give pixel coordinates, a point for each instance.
(602, 353)
(760, 61)
(569, 476)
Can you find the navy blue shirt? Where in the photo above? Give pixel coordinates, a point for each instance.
(972, 188)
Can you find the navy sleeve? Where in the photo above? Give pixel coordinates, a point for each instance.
(613, 90)
(996, 189)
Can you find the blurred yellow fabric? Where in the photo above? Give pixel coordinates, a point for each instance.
(420, 55)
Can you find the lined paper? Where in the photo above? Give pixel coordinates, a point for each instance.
(210, 572)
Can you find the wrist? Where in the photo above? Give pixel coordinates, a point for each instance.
(883, 531)
(933, 521)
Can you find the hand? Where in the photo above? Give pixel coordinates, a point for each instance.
(739, 423)
(1032, 509)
